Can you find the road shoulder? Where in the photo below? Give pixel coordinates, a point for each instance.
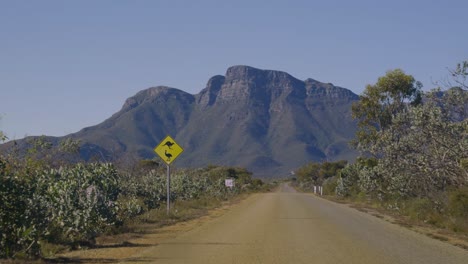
(123, 247)
(444, 235)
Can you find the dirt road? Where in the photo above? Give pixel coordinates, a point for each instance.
(290, 227)
(280, 227)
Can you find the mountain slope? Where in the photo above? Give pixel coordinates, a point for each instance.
(143, 120)
(267, 121)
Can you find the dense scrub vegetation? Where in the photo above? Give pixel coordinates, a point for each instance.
(45, 201)
(414, 151)
(319, 174)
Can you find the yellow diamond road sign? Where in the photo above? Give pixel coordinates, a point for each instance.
(168, 150)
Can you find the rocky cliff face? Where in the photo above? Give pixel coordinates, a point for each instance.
(267, 121)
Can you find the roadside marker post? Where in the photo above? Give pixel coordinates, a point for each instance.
(168, 150)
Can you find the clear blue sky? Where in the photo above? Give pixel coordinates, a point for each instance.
(65, 65)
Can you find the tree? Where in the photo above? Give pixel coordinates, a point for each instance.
(380, 103)
(420, 145)
(459, 75)
(308, 172)
(3, 137)
(423, 151)
(455, 99)
(317, 173)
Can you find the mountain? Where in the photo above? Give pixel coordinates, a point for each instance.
(267, 121)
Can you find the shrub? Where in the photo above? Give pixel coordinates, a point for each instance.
(82, 201)
(418, 208)
(74, 204)
(347, 181)
(329, 185)
(458, 202)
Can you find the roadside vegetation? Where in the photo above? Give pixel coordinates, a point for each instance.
(414, 162)
(49, 204)
(414, 152)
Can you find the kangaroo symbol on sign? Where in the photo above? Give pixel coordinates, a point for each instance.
(168, 144)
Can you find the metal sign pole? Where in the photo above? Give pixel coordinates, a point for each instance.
(168, 150)
(168, 188)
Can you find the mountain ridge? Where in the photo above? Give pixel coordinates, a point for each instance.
(265, 120)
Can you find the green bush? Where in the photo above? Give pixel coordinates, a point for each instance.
(347, 181)
(22, 213)
(150, 186)
(458, 203)
(317, 173)
(72, 205)
(329, 186)
(418, 208)
(82, 201)
(68, 205)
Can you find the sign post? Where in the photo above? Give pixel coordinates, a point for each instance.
(168, 188)
(168, 150)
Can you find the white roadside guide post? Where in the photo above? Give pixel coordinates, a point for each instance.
(168, 150)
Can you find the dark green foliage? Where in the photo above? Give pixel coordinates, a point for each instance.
(329, 186)
(449, 210)
(380, 103)
(3, 137)
(421, 209)
(325, 174)
(458, 202)
(309, 172)
(330, 169)
(20, 215)
(318, 172)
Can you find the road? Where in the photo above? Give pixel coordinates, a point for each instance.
(291, 227)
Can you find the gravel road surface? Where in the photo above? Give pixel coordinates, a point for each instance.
(291, 227)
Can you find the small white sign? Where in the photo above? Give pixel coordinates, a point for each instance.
(229, 183)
